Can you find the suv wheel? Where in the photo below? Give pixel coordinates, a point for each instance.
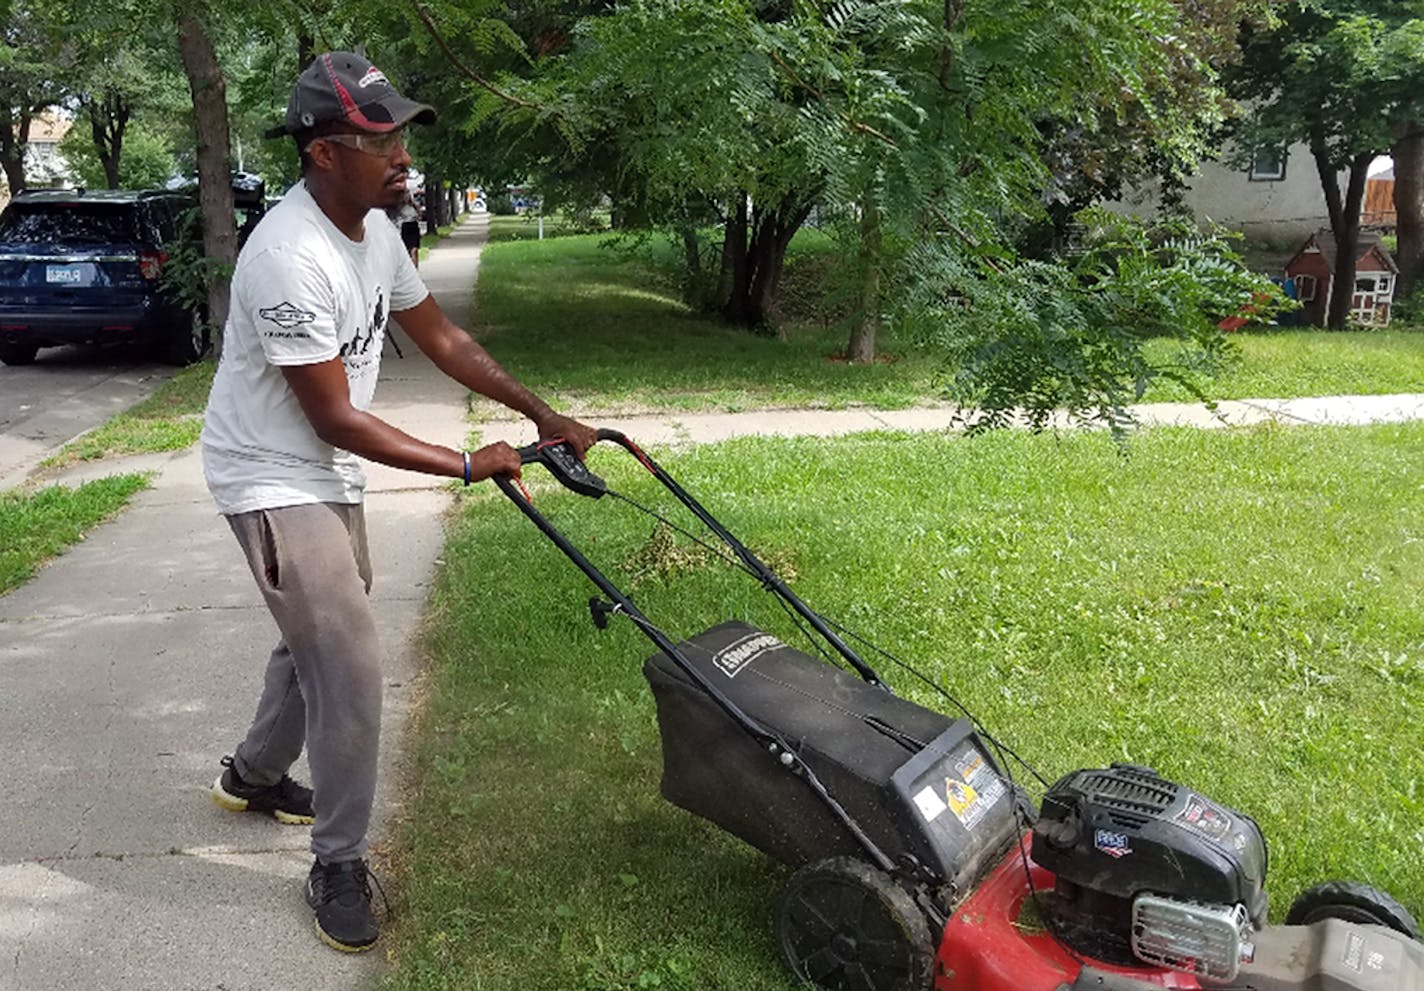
(17, 352)
(189, 340)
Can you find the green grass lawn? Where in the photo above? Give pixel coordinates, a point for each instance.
(592, 325)
(1299, 362)
(596, 326)
(36, 526)
(1239, 609)
(525, 227)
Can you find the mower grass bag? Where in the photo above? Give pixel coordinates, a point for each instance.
(919, 784)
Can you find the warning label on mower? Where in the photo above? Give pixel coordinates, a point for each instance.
(931, 805)
(731, 659)
(969, 793)
(1204, 817)
(981, 788)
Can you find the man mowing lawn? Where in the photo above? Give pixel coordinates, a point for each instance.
(286, 421)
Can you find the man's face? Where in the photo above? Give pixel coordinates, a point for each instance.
(372, 167)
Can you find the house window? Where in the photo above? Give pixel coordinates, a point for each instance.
(1384, 284)
(1305, 288)
(1268, 165)
(1366, 284)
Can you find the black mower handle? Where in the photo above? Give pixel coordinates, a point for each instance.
(557, 455)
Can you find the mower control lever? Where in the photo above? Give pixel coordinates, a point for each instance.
(558, 456)
(600, 610)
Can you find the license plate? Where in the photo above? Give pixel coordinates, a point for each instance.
(64, 275)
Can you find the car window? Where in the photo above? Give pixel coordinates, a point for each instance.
(69, 223)
(161, 210)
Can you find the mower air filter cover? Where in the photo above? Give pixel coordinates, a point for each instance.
(1124, 831)
(916, 782)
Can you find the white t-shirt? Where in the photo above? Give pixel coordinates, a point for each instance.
(303, 293)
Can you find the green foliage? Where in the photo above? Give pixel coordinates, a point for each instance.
(897, 117)
(1029, 338)
(189, 274)
(148, 160)
(1341, 75)
(527, 227)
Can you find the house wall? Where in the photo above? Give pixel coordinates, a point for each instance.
(43, 163)
(1280, 211)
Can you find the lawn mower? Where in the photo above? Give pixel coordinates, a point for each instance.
(921, 865)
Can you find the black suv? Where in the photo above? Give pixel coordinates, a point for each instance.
(81, 267)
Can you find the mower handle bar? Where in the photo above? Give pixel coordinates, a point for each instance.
(558, 456)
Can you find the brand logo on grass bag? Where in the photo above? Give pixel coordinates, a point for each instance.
(732, 659)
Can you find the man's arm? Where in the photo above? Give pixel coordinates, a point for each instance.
(325, 398)
(461, 357)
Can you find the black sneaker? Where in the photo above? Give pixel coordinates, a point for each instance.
(341, 896)
(287, 801)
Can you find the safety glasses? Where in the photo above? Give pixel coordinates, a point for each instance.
(380, 145)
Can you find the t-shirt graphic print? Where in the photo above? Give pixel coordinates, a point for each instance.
(303, 293)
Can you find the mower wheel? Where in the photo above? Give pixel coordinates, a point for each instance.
(846, 926)
(1351, 901)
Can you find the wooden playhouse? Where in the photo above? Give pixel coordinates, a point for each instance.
(1311, 271)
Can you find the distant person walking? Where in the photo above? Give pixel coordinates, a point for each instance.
(286, 424)
(407, 220)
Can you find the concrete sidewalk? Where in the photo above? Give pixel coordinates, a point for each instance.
(705, 428)
(129, 666)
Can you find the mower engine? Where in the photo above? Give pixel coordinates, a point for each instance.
(1149, 871)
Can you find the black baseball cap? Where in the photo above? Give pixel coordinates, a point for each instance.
(343, 86)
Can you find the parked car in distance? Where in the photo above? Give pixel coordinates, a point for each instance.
(85, 267)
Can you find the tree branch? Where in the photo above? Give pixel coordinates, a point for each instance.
(953, 13)
(966, 237)
(851, 122)
(464, 70)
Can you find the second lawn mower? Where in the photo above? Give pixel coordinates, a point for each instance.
(922, 866)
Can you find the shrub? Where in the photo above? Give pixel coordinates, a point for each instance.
(1036, 337)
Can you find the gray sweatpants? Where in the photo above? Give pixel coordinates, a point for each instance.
(323, 683)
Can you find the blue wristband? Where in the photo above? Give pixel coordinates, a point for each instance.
(467, 466)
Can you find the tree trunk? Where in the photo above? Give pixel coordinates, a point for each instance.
(14, 136)
(306, 50)
(691, 250)
(734, 261)
(861, 349)
(1344, 225)
(452, 194)
(108, 119)
(757, 263)
(210, 128)
(1409, 209)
